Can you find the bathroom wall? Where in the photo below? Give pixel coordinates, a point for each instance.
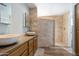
(18, 15)
(3, 28)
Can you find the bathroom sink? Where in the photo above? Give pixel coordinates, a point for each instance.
(30, 33)
(8, 39)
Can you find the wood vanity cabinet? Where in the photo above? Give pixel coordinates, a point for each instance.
(26, 49)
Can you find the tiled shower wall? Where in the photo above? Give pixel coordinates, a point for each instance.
(45, 33)
(33, 19)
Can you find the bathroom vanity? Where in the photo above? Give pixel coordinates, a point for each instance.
(25, 46)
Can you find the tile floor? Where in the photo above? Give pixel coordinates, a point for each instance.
(54, 51)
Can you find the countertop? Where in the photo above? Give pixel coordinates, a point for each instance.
(20, 40)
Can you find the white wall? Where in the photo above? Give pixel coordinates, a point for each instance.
(17, 18)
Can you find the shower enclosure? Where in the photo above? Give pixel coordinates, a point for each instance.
(51, 33)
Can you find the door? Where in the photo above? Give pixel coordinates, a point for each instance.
(77, 29)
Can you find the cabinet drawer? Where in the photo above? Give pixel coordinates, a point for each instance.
(31, 53)
(12, 50)
(31, 45)
(19, 50)
(31, 42)
(25, 53)
(31, 49)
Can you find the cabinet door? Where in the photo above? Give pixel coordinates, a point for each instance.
(25, 53)
(31, 53)
(35, 45)
(31, 46)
